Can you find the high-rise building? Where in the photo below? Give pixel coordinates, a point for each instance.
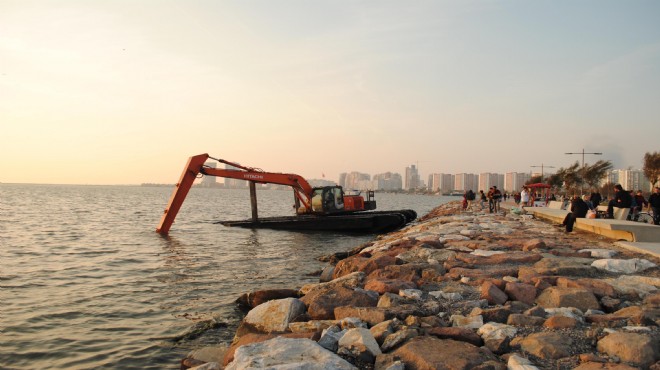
(487, 180)
(442, 182)
(465, 181)
(630, 179)
(514, 181)
(352, 180)
(387, 181)
(342, 179)
(412, 180)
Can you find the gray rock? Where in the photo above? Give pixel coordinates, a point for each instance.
(287, 353)
(275, 316)
(630, 266)
(360, 344)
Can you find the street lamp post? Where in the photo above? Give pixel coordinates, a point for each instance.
(542, 169)
(583, 153)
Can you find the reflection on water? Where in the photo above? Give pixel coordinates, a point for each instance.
(85, 281)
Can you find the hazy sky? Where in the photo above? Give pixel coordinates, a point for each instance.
(123, 92)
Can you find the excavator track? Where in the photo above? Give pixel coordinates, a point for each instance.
(366, 222)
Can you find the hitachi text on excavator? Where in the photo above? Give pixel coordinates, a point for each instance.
(320, 208)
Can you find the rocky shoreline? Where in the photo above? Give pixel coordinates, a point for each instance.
(459, 290)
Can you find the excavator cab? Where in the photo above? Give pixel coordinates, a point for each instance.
(328, 199)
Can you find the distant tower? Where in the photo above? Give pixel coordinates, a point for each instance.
(412, 178)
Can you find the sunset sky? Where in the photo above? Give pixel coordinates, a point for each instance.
(123, 92)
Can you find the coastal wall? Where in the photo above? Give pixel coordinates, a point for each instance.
(459, 290)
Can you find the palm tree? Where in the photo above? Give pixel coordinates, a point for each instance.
(594, 174)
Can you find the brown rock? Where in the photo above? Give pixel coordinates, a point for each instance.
(370, 315)
(598, 287)
(482, 273)
(383, 285)
(457, 333)
(495, 314)
(321, 304)
(560, 322)
(432, 353)
(547, 345)
(499, 259)
(610, 304)
(568, 297)
(521, 292)
(410, 272)
(492, 293)
(638, 349)
(533, 244)
(348, 265)
(361, 263)
(253, 299)
(602, 366)
(563, 266)
(590, 357)
(524, 320)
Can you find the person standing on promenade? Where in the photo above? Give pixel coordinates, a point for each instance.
(579, 209)
(470, 199)
(497, 198)
(524, 197)
(640, 204)
(482, 199)
(622, 199)
(654, 204)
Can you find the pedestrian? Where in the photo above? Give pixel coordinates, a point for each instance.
(490, 199)
(497, 197)
(524, 197)
(640, 202)
(654, 204)
(482, 199)
(470, 199)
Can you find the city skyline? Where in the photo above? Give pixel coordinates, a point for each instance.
(124, 92)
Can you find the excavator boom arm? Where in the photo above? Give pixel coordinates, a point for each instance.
(195, 166)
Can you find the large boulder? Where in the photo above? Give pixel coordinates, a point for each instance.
(621, 266)
(547, 345)
(275, 315)
(287, 353)
(555, 297)
(321, 304)
(426, 352)
(360, 344)
(363, 264)
(638, 349)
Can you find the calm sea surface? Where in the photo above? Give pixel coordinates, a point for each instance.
(86, 282)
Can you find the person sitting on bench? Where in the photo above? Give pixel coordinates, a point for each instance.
(579, 209)
(622, 199)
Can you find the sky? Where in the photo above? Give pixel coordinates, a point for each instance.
(124, 91)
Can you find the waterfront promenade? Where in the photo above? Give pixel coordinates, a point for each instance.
(460, 290)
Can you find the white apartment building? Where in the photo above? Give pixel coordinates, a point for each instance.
(513, 181)
(466, 181)
(487, 180)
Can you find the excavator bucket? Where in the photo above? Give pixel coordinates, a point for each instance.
(190, 172)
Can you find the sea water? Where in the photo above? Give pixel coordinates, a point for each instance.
(86, 282)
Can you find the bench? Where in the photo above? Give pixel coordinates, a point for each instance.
(620, 229)
(555, 205)
(618, 213)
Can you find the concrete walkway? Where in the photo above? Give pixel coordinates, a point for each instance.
(635, 236)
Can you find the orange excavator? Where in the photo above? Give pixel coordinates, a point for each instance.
(320, 208)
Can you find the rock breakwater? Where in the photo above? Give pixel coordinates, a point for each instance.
(460, 290)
